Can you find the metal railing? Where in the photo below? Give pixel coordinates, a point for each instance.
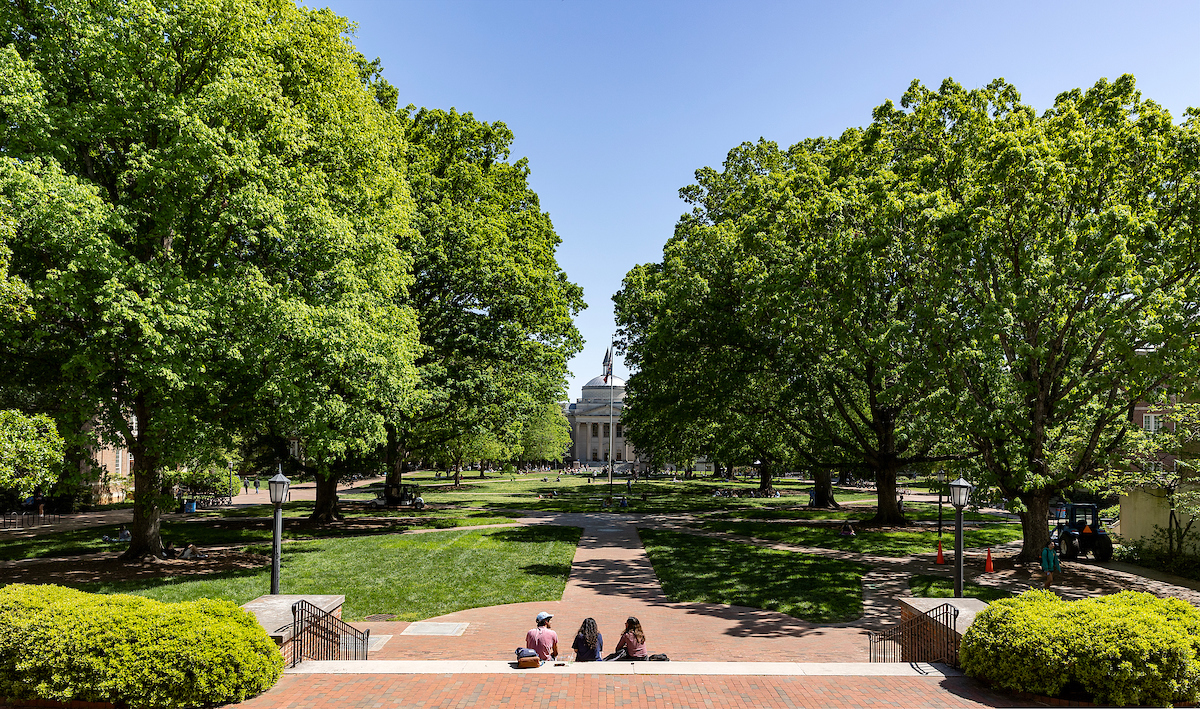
(319, 635)
(929, 637)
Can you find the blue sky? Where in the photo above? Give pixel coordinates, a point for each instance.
(616, 104)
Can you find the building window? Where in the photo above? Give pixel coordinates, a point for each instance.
(606, 456)
(596, 454)
(595, 430)
(1152, 422)
(620, 455)
(607, 432)
(620, 431)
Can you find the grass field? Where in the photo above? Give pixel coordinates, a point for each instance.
(924, 586)
(700, 569)
(571, 492)
(896, 543)
(410, 576)
(242, 526)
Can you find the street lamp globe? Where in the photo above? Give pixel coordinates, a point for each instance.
(960, 491)
(278, 486)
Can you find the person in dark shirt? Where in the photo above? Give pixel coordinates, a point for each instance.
(589, 643)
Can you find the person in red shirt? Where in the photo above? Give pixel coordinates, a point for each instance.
(633, 640)
(542, 639)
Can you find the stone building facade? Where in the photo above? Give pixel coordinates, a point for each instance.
(592, 430)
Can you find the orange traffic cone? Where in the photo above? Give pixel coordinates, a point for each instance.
(987, 568)
(941, 559)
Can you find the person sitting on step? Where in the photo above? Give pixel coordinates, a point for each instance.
(633, 641)
(589, 643)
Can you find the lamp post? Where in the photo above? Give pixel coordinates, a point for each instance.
(278, 487)
(960, 491)
(941, 478)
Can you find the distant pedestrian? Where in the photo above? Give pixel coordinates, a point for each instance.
(255, 486)
(1050, 563)
(246, 485)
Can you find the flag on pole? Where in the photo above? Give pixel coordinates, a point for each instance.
(607, 364)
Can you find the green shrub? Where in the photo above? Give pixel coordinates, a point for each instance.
(1130, 648)
(62, 644)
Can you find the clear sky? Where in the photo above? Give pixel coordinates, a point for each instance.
(616, 104)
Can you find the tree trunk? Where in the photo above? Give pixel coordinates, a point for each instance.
(888, 511)
(1035, 527)
(325, 510)
(457, 472)
(764, 479)
(823, 490)
(147, 490)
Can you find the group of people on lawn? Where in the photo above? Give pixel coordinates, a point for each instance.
(589, 643)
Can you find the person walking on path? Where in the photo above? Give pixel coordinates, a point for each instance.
(589, 643)
(542, 639)
(1050, 563)
(255, 486)
(633, 641)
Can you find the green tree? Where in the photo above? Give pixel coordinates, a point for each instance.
(238, 184)
(547, 435)
(790, 308)
(495, 310)
(31, 452)
(1067, 243)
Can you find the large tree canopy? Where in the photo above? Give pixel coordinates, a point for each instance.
(1069, 248)
(495, 309)
(962, 280)
(787, 317)
(240, 195)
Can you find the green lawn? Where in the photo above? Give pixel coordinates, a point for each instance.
(571, 492)
(887, 543)
(924, 586)
(240, 526)
(411, 576)
(704, 570)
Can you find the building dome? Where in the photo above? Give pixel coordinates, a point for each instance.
(599, 382)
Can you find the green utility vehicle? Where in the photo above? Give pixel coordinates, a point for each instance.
(1080, 531)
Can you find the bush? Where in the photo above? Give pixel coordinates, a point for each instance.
(62, 644)
(1130, 648)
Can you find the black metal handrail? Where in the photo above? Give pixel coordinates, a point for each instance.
(929, 637)
(320, 635)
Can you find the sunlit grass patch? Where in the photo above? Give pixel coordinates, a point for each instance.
(410, 576)
(887, 542)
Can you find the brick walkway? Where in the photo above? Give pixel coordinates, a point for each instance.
(629, 692)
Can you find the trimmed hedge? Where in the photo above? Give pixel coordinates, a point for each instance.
(62, 644)
(1129, 648)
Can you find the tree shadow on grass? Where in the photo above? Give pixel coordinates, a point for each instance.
(556, 570)
(704, 570)
(538, 534)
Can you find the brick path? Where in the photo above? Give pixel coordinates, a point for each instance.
(630, 692)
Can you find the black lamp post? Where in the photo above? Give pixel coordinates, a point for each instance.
(960, 491)
(941, 478)
(278, 487)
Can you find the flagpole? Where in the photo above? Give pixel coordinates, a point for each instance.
(612, 432)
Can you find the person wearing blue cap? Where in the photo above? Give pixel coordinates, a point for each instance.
(542, 639)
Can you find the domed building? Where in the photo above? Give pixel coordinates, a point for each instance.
(591, 432)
